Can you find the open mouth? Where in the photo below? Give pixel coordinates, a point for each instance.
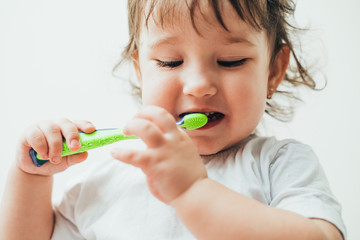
(212, 116)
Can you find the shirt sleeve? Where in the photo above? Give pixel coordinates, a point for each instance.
(65, 221)
(299, 184)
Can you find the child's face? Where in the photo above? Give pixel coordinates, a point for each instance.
(217, 71)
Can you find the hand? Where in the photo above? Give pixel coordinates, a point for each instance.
(46, 139)
(171, 161)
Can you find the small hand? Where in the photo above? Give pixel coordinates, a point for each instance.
(171, 161)
(46, 139)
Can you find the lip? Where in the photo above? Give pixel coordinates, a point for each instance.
(211, 124)
(197, 110)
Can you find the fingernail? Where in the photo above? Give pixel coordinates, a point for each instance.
(113, 152)
(125, 132)
(55, 160)
(74, 143)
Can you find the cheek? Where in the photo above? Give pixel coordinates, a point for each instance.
(249, 101)
(248, 98)
(160, 91)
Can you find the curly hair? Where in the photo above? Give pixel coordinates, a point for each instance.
(270, 16)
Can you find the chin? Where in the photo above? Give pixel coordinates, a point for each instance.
(212, 146)
(208, 148)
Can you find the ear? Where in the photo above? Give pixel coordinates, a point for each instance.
(278, 70)
(135, 61)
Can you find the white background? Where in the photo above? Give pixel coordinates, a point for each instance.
(56, 60)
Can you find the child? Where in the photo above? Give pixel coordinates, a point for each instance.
(227, 60)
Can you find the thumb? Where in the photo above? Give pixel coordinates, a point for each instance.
(75, 159)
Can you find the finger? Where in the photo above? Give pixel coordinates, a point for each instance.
(85, 126)
(70, 132)
(50, 169)
(54, 140)
(131, 156)
(37, 140)
(146, 130)
(162, 118)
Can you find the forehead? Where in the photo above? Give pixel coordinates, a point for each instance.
(202, 18)
(165, 11)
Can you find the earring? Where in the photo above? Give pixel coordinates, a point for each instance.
(270, 93)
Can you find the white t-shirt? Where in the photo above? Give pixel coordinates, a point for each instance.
(113, 201)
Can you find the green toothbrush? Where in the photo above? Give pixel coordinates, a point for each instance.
(102, 137)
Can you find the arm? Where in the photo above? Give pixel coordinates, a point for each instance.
(177, 176)
(212, 211)
(26, 209)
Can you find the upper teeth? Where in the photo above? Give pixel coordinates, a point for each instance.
(208, 113)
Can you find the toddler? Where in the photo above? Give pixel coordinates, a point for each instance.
(225, 59)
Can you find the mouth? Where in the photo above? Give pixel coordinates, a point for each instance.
(212, 116)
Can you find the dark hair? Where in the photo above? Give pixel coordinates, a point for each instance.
(268, 15)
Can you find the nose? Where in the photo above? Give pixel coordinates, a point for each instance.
(200, 83)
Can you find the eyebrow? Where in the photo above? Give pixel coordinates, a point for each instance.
(175, 39)
(236, 39)
(164, 41)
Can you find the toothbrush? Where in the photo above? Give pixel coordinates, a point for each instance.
(102, 137)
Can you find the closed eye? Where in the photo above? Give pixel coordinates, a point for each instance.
(169, 64)
(229, 64)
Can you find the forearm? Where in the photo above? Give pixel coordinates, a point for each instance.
(212, 211)
(26, 210)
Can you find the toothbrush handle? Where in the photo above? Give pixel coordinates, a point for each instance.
(102, 137)
(37, 162)
(99, 138)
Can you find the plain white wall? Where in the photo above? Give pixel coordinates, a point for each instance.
(56, 60)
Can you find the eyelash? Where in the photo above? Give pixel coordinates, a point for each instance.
(226, 64)
(169, 64)
(229, 64)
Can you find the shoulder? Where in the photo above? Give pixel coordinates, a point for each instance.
(259, 162)
(285, 162)
(270, 150)
(272, 146)
(294, 178)
(262, 153)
